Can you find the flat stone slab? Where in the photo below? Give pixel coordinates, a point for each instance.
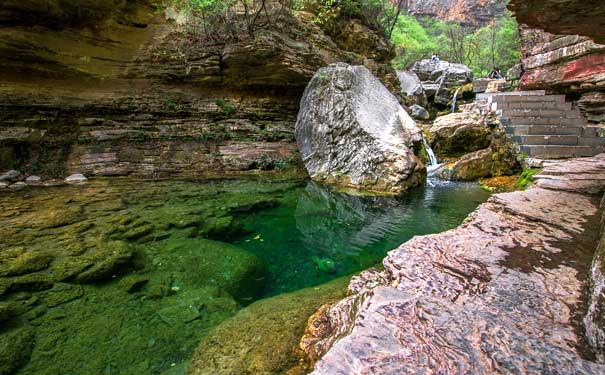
(502, 293)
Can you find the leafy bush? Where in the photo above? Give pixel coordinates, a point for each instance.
(526, 178)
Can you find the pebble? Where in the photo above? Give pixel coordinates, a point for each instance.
(76, 178)
(33, 180)
(10, 176)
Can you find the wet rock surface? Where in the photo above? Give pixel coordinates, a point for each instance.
(472, 299)
(352, 131)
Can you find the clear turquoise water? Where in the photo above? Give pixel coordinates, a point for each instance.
(315, 224)
(127, 277)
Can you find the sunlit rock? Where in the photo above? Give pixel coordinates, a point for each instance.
(352, 131)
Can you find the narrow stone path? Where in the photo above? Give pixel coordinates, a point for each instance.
(545, 126)
(502, 293)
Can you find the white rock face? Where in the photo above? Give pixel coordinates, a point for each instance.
(352, 131)
(76, 178)
(412, 87)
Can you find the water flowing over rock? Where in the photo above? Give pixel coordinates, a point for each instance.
(473, 145)
(471, 300)
(439, 78)
(352, 131)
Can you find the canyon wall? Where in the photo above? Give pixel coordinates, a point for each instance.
(128, 88)
(470, 12)
(570, 64)
(569, 17)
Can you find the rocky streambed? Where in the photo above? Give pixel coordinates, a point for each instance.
(122, 276)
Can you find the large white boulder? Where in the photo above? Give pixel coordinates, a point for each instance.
(352, 131)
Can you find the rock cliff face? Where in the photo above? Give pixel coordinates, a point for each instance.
(568, 64)
(126, 89)
(471, 12)
(563, 17)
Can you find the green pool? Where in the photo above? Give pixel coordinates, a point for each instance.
(126, 277)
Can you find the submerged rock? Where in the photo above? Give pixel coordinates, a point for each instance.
(352, 131)
(262, 339)
(15, 348)
(471, 300)
(108, 261)
(196, 263)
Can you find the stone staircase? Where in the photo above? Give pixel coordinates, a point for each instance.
(545, 126)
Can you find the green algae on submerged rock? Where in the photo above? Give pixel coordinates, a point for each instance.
(263, 338)
(173, 285)
(199, 262)
(15, 347)
(324, 264)
(110, 259)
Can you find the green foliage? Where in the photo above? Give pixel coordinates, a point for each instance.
(380, 15)
(226, 106)
(494, 45)
(526, 178)
(169, 103)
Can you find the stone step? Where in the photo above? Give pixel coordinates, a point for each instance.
(591, 141)
(519, 130)
(590, 132)
(516, 94)
(563, 106)
(572, 122)
(559, 152)
(548, 113)
(556, 140)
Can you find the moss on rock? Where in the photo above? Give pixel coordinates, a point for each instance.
(263, 338)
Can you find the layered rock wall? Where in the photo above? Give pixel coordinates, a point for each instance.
(130, 88)
(470, 12)
(563, 17)
(568, 64)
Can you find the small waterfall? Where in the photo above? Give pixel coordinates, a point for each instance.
(454, 100)
(430, 152)
(432, 159)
